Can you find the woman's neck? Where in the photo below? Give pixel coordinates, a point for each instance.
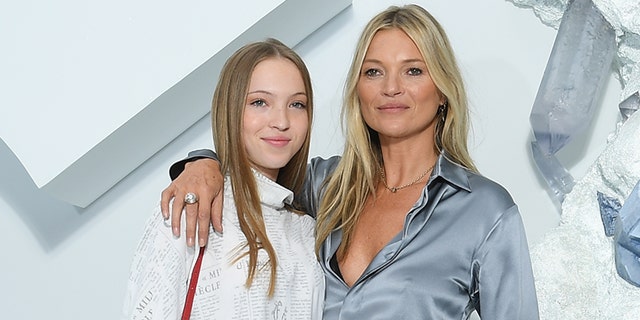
(404, 161)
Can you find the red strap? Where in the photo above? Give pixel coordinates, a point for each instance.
(193, 283)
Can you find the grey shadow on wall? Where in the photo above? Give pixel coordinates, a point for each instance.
(51, 220)
(333, 26)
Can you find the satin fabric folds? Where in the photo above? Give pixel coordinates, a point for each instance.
(463, 248)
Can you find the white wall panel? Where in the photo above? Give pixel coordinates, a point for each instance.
(104, 83)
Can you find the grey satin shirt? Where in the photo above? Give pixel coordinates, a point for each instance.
(462, 248)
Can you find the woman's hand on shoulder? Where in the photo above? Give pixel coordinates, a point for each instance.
(203, 178)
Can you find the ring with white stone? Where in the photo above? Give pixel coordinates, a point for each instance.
(190, 198)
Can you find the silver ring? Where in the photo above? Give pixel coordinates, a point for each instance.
(190, 198)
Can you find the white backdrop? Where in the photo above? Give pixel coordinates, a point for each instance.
(61, 262)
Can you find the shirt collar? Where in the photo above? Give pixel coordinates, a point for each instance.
(451, 172)
(271, 193)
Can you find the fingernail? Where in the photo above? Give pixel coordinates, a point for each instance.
(176, 232)
(190, 242)
(202, 243)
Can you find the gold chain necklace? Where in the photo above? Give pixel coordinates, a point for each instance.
(394, 189)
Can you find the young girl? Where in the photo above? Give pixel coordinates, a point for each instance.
(263, 266)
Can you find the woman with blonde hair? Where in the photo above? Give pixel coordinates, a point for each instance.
(406, 226)
(264, 267)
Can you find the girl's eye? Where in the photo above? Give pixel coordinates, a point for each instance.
(259, 103)
(298, 105)
(415, 71)
(372, 72)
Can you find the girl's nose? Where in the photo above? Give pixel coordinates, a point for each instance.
(280, 118)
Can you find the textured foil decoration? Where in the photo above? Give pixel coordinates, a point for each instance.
(623, 223)
(629, 105)
(577, 68)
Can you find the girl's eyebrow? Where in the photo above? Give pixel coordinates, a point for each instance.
(260, 91)
(301, 93)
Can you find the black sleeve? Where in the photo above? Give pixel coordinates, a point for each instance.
(176, 169)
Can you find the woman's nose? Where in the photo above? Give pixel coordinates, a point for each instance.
(392, 85)
(280, 118)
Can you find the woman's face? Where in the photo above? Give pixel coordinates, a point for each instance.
(397, 95)
(275, 122)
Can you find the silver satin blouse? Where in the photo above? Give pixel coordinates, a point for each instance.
(462, 248)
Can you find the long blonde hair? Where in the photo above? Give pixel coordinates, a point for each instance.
(355, 176)
(227, 110)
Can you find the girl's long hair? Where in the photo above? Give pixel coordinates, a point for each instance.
(227, 110)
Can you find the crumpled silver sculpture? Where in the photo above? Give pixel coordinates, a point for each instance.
(629, 105)
(623, 223)
(579, 64)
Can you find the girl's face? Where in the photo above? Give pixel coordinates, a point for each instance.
(275, 122)
(397, 95)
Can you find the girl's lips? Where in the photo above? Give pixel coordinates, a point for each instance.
(277, 141)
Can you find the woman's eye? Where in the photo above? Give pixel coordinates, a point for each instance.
(414, 71)
(299, 105)
(259, 103)
(372, 72)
